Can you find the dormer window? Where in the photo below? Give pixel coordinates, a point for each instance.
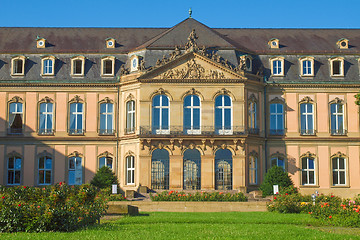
(336, 67)
(40, 42)
(107, 66)
(277, 66)
(48, 64)
(110, 43)
(18, 66)
(343, 43)
(77, 66)
(307, 66)
(273, 43)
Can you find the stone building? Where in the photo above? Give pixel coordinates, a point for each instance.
(188, 107)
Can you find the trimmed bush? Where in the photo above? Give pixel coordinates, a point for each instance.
(104, 178)
(53, 208)
(275, 176)
(203, 196)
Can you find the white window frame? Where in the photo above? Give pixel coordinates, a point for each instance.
(161, 107)
(192, 107)
(130, 116)
(278, 60)
(277, 114)
(48, 67)
(338, 170)
(107, 115)
(14, 113)
(13, 66)
(276, 158)
(76, 130)
(46, 113)
(13, 170)
(73, 67)
(308, 170)
(253, 170)
(76, 158)
(253, 113)
(331, 61)
(310, 66)
(337, 122)
(222, 107)
(45, 170)
(108, 58)
(130, 170)
(306, 114)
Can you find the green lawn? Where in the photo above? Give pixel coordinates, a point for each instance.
(229, 225)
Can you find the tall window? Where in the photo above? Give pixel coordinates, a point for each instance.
(253, 129)
(192, 114)
(337, 119)
(192, 169)
(77, 66)
(76, 118)
(45, 170)
(106, 118)
(160, 114)
(277, 67)
(18, 65)
(307, 118)
(276, 119)
(130, 170)
(308, 171)
(253, 169)
(130, 116)
(15, 118)
(339, 170)
(14, 170)
(48, 66)
(107, 66)
(160, 169)
(223, 169)
(278, 161)
(337, 66)
(307, 68)
(106, 161)
(75, 171)
(46, 118)
(223, 115)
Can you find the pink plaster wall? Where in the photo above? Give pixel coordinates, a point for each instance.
(61, 112)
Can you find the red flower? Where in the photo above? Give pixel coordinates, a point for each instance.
(2, 197)
(310, 212)
(286, 194)
(277, 193)
(38, 206)
(330, 216)
(24, 186)
(274, 198)
(125, 197)
(332, 195)
(60, 183)
(19, 205)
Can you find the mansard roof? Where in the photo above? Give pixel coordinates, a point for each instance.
(92, 40)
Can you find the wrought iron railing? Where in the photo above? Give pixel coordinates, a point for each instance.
(203, 130)
(277, 132)
(76, 131)
(307, 132)
(338, 132)
(46, 131)
(130, 130)
(106, 131)
(15, 131)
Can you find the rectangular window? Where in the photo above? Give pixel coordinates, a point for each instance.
(336, 67)
(276, 119)
(307, 119)
(277, 67)
(339, 171)
(46, 118)
(75, 171)
(106, 161)
(308, 171)
(130, 117)
(76, 118)
(14, 171)
(15, 118)
(337, 119)
(45, 170)
(307, 67)
(108, 67)
(48, 67)
(252, 170)
(77, 68)
(106, 118)
(18, 67)
(130, 170)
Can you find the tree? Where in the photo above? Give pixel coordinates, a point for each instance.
(275, 176)
(104, 178)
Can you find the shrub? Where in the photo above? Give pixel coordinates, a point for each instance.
(112, 197)
(275, 176)
(104, 178)
(53, 208)
(203, 196)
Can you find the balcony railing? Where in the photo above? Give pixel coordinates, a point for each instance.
(277, 132)
(254, 131)
(130, 130)
(338, 132)
(76, 131)
(46, 131)
(106, 131)
(15, 131)
(203, 130)
(306, 132)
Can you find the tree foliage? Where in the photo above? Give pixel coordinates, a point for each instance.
(275, 176)
(104, 178)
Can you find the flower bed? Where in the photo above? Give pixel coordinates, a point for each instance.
(52, 208)
(199, 196)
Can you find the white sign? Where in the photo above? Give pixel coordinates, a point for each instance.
(276, 189)
(114, 189)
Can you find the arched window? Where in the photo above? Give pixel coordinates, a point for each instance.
(45, 170)
(192, 169)
(130, 116)
(253, 159)
(46, 118)
(192, 114)
(223, 115)
(253, 129)
(223, 169)
(160, 114)
(75, 171)
(130, 170)
(76, 118)
(15, 118)
(307, 118)
(48, 64)
(160, 169)
(106, 118)
(337, 118)
(338, 162)
(308, 170)
(278, 160)
(276, 119)
(14, 170)
(106, 161)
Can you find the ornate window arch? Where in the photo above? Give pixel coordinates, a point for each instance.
(106, 117)
(77, 66)
(76, 116)
(339, 166)
(253, 168)
(223, 169)
(16, 115)
(14, 168)
(337, 114)
(75, 168)
(307, 116)
(18, 66)
(160, 169)
(309, 169)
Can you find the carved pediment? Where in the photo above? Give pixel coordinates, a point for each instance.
(192, 66)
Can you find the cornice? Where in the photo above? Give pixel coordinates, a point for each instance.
(77, 85)
(313, 85)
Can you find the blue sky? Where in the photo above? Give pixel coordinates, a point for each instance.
(227, 14)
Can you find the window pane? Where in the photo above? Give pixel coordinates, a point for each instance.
(227, 100)
(165, 118)
(341, 163)
(42, 163)
(17, 177)
(311, 177)
(196, 120)
(109, 122)
(218, 118)
(187, 118)
(227, 118)
(156, 118)
(335, 177)
(311, 163)
(304, 163)
(102, 122)
(342, 177)
(279, 108)
(196, 100)
(11, 163)
(156, 100)
(187, 100)
(71, 163)
(41, 176)
(165, 100)
(304, 178)
(48, 163)
(101, 162)
(48, 177)
(335, 163)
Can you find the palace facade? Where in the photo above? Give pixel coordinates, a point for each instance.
(188, 107)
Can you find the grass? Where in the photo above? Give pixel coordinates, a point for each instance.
(228, 225)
